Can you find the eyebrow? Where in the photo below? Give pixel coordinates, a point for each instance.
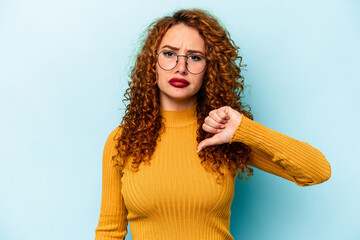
(177, 49)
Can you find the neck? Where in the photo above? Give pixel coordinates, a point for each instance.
(177, 105)
(179, 118)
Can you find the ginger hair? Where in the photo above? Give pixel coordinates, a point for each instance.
(222, 86)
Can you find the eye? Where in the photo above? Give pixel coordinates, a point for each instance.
(168, 53)
(195, 58)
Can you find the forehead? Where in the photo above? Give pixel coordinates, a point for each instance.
(183, 37)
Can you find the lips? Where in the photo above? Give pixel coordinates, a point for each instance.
(179, 82)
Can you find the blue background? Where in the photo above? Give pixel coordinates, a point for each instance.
(64, 68)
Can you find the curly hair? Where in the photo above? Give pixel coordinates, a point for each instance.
(222, 85)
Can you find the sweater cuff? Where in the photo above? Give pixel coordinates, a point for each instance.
(256, 135)
(243, 131)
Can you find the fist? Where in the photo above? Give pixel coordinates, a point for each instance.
(222, 122)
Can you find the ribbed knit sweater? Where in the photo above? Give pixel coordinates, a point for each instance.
(176, 198)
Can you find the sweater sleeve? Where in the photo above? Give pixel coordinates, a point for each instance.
(278, 154)
(113, 213)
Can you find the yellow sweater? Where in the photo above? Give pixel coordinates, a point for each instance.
(176, 198)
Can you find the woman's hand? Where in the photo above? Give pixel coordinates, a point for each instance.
(222, 122)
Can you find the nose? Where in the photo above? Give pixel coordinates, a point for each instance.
(181, 65)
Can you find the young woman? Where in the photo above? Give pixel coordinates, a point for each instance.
(170, 167)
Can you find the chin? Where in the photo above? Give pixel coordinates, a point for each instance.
(181, 97)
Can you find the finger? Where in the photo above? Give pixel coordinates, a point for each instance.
(214, 114)
(207, 142)
(225, 111)
(212, 123)
(210, 129)
(222, 114)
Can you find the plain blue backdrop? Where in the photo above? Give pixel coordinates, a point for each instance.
(64, 68)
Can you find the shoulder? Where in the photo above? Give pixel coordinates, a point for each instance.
(113, 137)
(112, 149)
(115, 133)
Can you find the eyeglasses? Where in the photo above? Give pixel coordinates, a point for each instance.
(195, 63)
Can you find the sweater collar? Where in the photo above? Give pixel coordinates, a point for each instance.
(179, 118)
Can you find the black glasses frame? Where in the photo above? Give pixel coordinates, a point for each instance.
(177, 60)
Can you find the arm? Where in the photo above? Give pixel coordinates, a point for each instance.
(281, 155)
(272, 151)
(112, 222)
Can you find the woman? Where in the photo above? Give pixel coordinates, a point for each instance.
(170, 167)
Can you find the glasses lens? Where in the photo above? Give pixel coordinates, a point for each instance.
(196, 63)
(167, 60)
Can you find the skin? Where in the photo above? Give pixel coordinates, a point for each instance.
(183, 38)
(222, 122)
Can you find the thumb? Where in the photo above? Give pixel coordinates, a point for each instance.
(206, 142)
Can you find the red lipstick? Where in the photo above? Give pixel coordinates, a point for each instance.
(179, 82)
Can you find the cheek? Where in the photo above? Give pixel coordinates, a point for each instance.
(160, 73)
(160, 78)
(200, 81)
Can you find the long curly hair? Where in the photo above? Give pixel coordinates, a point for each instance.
(222, 85)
